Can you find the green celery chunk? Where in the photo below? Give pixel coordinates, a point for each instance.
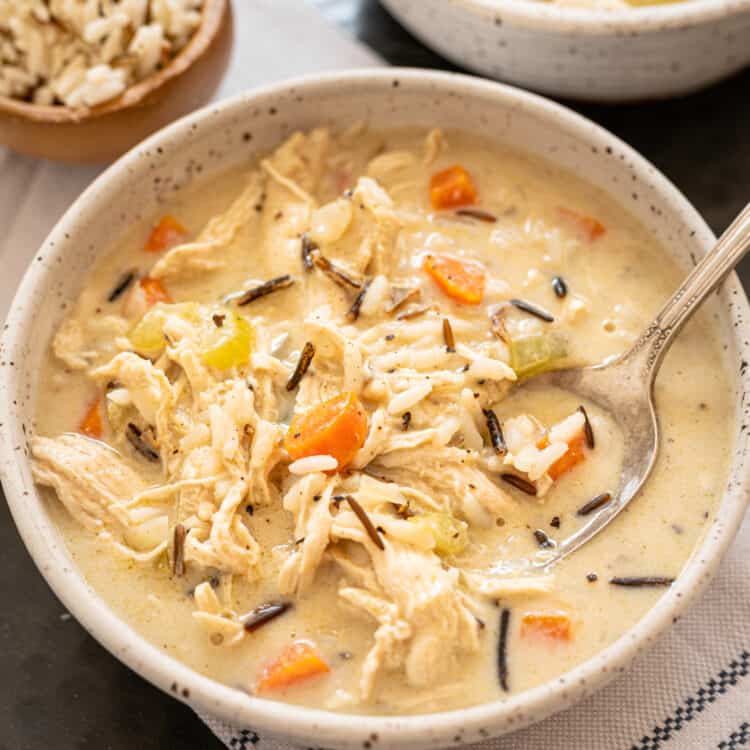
(225, 339)
(450, 534)
(228, 345)
(531, 355)
(147, 335)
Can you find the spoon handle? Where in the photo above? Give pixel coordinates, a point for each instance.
(704, 278)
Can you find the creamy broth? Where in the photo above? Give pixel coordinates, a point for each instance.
(616, 280)
(609, 4)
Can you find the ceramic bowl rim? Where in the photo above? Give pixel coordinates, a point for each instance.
(592, 22)
(289, 720)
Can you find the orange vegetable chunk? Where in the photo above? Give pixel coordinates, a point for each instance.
(589, 227)
(298, 662)
(567, 461)
(91, 424)
(553, 625)
(167, 233)
(462, 280)
(337, 427)
(154, 291)
(451, 188)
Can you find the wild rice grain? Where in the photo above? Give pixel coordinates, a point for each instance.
(537, 312)
(635, 581)
(413, 312)
(125, 281)
(364, 519)
(402, 295)
(334, 273)
(448, 337)
(559, 287)
(308, 247)
(495, 431)
(502, 650)
(594, 504)
(353, 312)
(588, 430)
(267, 287)
(136, 439)
(178, 550)
(478, 214)
(519, 483)
(303, 364)
(263, 614)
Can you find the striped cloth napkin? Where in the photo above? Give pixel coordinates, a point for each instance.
(691, 691)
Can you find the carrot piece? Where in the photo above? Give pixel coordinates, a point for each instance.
(554, 625)
(590, 227)
(452, 187)
(91, 424)
(154, 291)
(167, 233)
(567, 461)
(337, 427)
(463, 280)
(298, 662)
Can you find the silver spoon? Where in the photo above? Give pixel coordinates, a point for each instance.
(625, 386)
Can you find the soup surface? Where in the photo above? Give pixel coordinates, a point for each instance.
(608, 4)
(283, 439)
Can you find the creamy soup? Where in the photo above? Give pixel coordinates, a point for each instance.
(284, 440)
(608, 4)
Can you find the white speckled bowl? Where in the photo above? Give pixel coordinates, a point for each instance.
(599, 55)
(231, 133)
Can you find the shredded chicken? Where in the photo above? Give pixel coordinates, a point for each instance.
(218, 432)
(202, 254)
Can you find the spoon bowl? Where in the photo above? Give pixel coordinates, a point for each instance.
(624, 387)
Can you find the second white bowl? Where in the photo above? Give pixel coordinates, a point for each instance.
(599, 55)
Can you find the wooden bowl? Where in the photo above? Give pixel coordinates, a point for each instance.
(104, 132)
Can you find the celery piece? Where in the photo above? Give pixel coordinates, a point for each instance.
(224, 338)
(147, 335)
(449, 533)
(531, 355)
(229, 344)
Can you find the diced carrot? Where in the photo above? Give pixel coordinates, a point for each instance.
(554, 625)
(167, 233)
(567, 461)
(154, 291)
(451, 188)
(337, 427)
(91, 424)
(298, 662)
(463, 280)
(588, 226)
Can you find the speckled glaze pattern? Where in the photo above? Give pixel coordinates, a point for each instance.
(597, 55)
(232, 133)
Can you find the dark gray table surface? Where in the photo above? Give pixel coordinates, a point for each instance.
(58, 688)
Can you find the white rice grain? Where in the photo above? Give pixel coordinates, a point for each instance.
(485, 368)
(375, 298)
(569, 428)
(85, 52)
(410, 397)
(313, 465)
